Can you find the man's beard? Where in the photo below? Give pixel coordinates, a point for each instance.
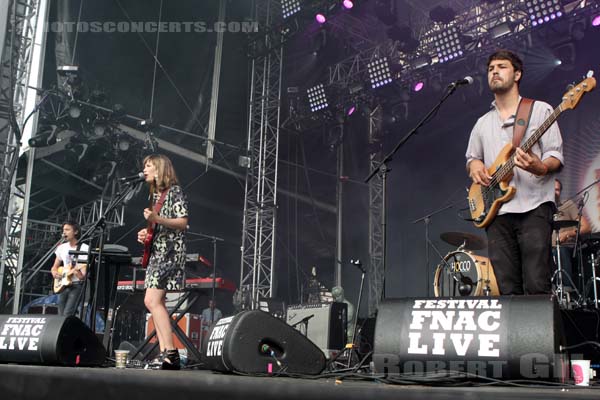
(501, 88)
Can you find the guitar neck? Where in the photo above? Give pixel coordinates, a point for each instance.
(507, 168)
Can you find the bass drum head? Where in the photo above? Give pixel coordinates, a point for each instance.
(465, 281)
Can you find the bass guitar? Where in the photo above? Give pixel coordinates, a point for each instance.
(485, 201)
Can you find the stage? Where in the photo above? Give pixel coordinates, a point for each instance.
(43, 382)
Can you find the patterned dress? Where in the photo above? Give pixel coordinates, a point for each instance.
(167, 261)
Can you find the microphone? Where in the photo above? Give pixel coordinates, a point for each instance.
(133, 178)
(467, 80)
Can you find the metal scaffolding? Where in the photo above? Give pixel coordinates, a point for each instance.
(260, 206)
(376, 222)
(16, 63)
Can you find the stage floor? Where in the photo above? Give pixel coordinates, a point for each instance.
(44, 382)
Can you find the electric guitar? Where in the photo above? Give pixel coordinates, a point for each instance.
(150, 230)
(485, 201)
(65, 278)
(148, 245)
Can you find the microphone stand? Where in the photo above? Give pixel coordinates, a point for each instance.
(214, 241)
(383, 170)
(92, 274)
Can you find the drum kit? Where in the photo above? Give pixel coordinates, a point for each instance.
(462, 272)
(575, 284)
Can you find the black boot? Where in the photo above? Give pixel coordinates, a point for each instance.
(171, 360)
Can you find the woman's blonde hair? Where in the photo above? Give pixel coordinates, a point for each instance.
(165, 173)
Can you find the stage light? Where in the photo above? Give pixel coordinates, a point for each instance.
(557, 62)
(442, 14)
(100, 128)
(317, 98)
(74, 111)
(596, 20)
(348, 4)
(379, 72)
(320, 18)
(46, 136)
(448, 44)
(500, 30)
(418, 86)
(290, 7)
(123, 144)
(542, 11)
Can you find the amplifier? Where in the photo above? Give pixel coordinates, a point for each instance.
(190, 324)
(324, 324)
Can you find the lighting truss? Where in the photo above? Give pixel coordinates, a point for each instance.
(317, 98)
(379, 72)
(289, 7)
(541, 11)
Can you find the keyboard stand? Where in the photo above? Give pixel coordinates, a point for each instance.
(193, 352)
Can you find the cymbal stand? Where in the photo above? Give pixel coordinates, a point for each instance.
(426, 221)
(594, 280)
(450, 270)
(577, 247)
(559, 291)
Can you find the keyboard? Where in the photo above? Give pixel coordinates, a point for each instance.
(190, 284)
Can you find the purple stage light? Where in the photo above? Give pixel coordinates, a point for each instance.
(348, 4)
(596, 21)
(418, 86)
(320, 18)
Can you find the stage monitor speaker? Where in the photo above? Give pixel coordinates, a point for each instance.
(48, 339)
(507, 337)
(257, 342)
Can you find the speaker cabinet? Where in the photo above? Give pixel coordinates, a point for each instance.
(325, 324)
(48, 339)
(508, 337)
(257, 342)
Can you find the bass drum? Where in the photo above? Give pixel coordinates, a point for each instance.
(473, 276)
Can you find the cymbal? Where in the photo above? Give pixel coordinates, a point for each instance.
(565, 223)
(472, 242)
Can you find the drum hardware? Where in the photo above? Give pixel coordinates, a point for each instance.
(594, 281)
(559, 275)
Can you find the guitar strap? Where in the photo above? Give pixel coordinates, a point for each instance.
(522, 120)
(161, 201)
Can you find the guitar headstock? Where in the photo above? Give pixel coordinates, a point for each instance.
(573, 95)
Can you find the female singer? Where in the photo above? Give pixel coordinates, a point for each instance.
(168, 215)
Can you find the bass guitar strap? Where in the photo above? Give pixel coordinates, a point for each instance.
(522, 120)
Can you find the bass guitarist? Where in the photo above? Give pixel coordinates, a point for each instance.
(167, 220)
(70, 278)
(519, 236)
